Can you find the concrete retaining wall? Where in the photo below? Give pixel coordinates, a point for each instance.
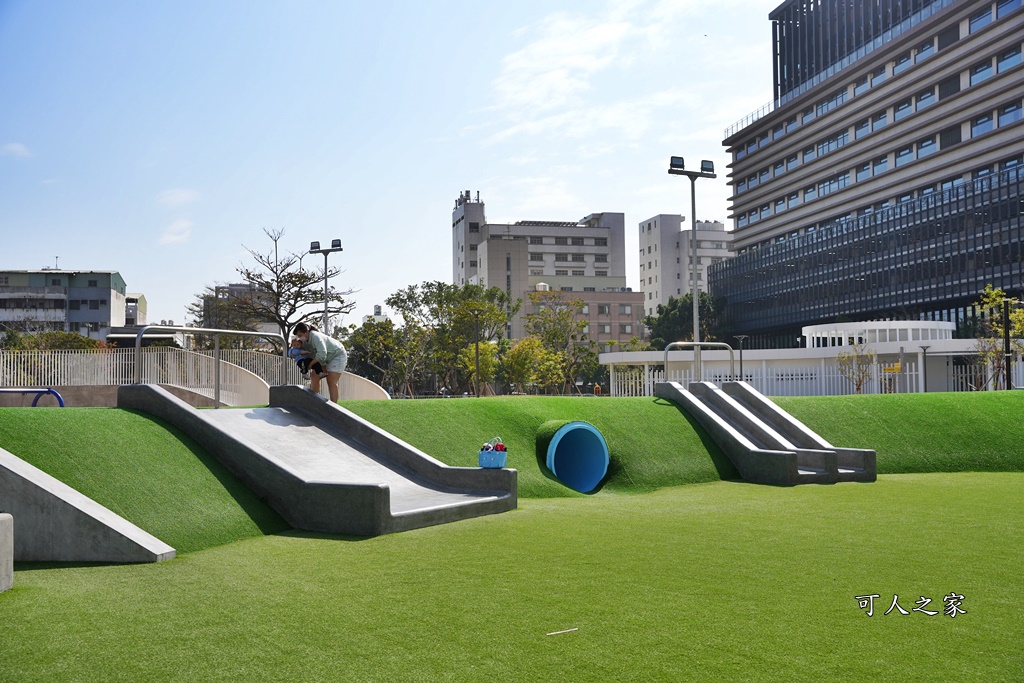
(56, 523)
(94, 396)
(6, 551)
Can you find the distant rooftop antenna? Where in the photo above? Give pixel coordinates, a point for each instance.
(56, 262)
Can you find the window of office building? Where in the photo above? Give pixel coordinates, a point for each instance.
(577, 241)
(536, 271)
(924, 51)
(925, 98)
(1005, 7)
(536, 240)
(902, 63)
(926, 146)
(604, 309)
(601, 258)
(752, 181)
(861, 128)
(861, 86)
(792, 162)
(949, 86)
(879, 120)
(808, 154)
(981, 125)
(472, 264)
(810, 193)
(794, 199)
(561, 257)
(577, 257)
(764, 175)
(863, 172)
(625, 328)
(536, 257)
(904, 155)
(878, 75)
(472, 247)
(779, 168)
(600, 241)
(881, 165)
(950, 136)
(600, 273)
(980, 72)
(474, 227)
(579, 273)
(561, 241)
(625, 309)
(780, 205)
(1008, 59)
(561, 272)
(1010, 113)
(902, 109)
(981, 19)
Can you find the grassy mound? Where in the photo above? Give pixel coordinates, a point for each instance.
(940, 432)
(141, 468)
(652, 443)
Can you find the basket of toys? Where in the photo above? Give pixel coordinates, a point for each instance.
(493, 453)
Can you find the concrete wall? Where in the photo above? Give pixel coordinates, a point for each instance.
(6, 551)
(96, 396)
(56, 523)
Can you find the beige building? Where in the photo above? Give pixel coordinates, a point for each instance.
(585, 259)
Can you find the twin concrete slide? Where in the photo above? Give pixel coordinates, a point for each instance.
(766, 444)
(324, 469)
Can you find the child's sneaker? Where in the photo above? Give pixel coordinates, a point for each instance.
(323, 374)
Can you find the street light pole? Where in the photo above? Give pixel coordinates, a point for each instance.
(676, 166)
(314, 248)
(924, 366)
(740, 338)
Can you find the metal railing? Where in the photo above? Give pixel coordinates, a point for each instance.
(216, 350)
(697, 346)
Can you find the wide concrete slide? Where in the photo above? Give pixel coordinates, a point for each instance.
(764, 451)
(325, 469)
(55, 523)
(853, 464)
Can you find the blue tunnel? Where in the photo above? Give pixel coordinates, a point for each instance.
(578, 456)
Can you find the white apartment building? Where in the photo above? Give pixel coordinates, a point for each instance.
(666, 256)
(88, 302)
(585, 257)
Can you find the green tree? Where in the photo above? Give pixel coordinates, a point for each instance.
(488, 364)
(990, 329)
(674, 320)
(452, 316)
(857, 365)
(557, 321)
(373, 350)
(46, 341)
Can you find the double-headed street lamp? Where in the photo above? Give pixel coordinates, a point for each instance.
(314, 248)
(676, 166)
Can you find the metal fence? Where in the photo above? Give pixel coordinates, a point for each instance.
(244, 383)
(812, 380)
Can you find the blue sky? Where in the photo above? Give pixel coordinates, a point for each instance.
(157, 138)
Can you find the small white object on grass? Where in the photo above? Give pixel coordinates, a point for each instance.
(568, 630)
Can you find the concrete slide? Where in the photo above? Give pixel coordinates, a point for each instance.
(764, 443)
(325, 469)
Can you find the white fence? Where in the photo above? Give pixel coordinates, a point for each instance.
(812, 380)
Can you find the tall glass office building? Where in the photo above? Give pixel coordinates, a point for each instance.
(884, 181)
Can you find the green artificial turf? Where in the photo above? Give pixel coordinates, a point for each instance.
(722, 581)
(142, 469)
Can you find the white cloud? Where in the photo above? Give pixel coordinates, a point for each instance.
(177, 196)
(178, 232)
(16, 150)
